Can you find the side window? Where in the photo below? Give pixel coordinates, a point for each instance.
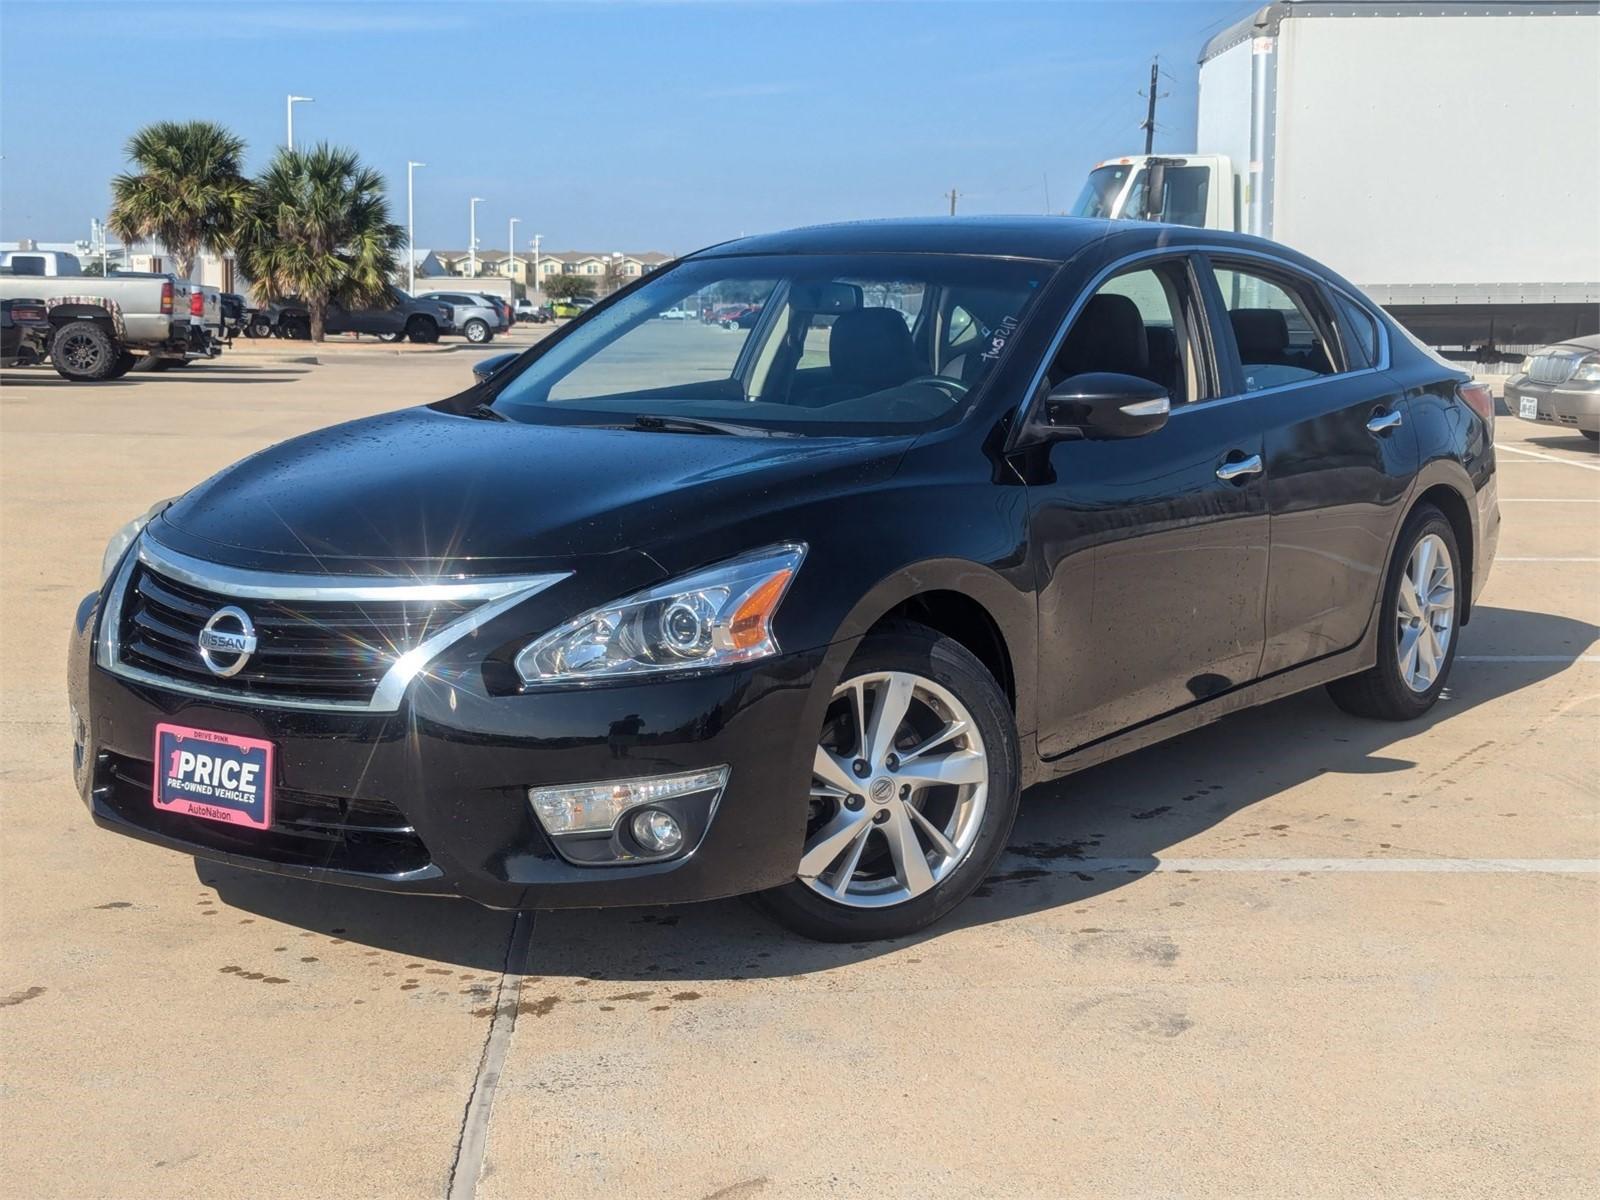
(1278, 327)
(1138, 323)
(1361, 344)
(1183, 195)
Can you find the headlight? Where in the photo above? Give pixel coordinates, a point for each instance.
(1588, 370)
(125, 537)
(712, 618)
(1527, 365)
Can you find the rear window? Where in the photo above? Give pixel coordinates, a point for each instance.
(1361, 342)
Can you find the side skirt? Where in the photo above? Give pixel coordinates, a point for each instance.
(1359, 657)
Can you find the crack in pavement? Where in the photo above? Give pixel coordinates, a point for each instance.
(473, 1139)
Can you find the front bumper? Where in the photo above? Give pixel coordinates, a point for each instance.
(1574, 405)
(433, 798)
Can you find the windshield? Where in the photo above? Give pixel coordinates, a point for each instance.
(1100, 191)
(807, 344)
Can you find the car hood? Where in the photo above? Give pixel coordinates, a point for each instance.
(437, 493)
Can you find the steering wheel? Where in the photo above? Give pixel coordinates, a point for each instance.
(953, 388)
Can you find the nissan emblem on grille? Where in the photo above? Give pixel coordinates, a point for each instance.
(227, 641)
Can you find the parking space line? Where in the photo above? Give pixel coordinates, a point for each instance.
(1566, 462)
(1424, 866)
(1529, 658)
(1544, 558)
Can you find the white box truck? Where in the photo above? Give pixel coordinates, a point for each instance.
(1445, 157)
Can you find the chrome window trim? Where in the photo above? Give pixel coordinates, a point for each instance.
(497, 594)
(1025, 408)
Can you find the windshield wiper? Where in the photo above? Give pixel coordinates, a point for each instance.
(485, 412)
(655, 424)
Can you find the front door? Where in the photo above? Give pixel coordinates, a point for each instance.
(1152, 550)
(1340, 455)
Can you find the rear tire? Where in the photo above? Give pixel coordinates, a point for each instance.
(1412, 666)
(83, 352)
(873, 867)
(422, 330)
(259, 327)
(478, 332)
(397, 336)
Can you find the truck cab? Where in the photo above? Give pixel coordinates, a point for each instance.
(1179, 189)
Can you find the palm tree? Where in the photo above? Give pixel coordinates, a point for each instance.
(319, 229)
(188, 192)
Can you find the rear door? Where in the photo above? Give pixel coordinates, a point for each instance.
(1339, 453)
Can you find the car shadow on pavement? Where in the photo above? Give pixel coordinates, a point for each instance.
(1130, 810)
(1571, 441)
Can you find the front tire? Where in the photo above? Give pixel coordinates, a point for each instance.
(913, 795)
(422, 330)
(1418, 620)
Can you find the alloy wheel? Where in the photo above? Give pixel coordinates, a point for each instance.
(79, 351)
(899, 786)
(1426, 613)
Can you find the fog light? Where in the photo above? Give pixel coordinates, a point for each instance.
(657, 831)
(596, 807)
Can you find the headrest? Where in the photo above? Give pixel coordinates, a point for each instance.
(872, 346)
(1262, 333)
(1108, 335)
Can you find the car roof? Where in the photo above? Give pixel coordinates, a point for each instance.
(1052, 239)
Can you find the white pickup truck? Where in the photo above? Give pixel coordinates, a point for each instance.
(100, 327)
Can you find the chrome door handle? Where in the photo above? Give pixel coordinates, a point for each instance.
(1384, 421)
(1245, 467)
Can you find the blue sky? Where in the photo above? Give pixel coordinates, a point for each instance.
(609, 126)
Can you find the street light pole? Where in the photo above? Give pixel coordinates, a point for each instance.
(288, 110)
(411, 235)
(511, 248)
(537, 286)
(472, 236)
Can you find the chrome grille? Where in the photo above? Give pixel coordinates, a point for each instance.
(1553, 368)
(306, 649)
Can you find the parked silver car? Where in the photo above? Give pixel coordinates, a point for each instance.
(476, 317)
(1560, 385)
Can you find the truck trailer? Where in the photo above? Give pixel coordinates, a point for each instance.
(1443, 156)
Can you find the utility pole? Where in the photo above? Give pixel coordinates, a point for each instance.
(411, 227)
(472, 236)
(953, 196)
(1149, 124)
(511, 248)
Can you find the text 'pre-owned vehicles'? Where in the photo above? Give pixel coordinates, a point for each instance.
(656, 612)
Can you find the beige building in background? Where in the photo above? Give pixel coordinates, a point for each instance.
(551, 262)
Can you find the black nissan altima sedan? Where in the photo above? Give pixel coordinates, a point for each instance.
(659, 611)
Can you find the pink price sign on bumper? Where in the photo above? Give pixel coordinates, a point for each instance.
(216, 776)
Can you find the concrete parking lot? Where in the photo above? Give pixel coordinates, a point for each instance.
(1294, 953)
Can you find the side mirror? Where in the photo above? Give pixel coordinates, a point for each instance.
(485, 368)
(1102, 404)
(1155, 190)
